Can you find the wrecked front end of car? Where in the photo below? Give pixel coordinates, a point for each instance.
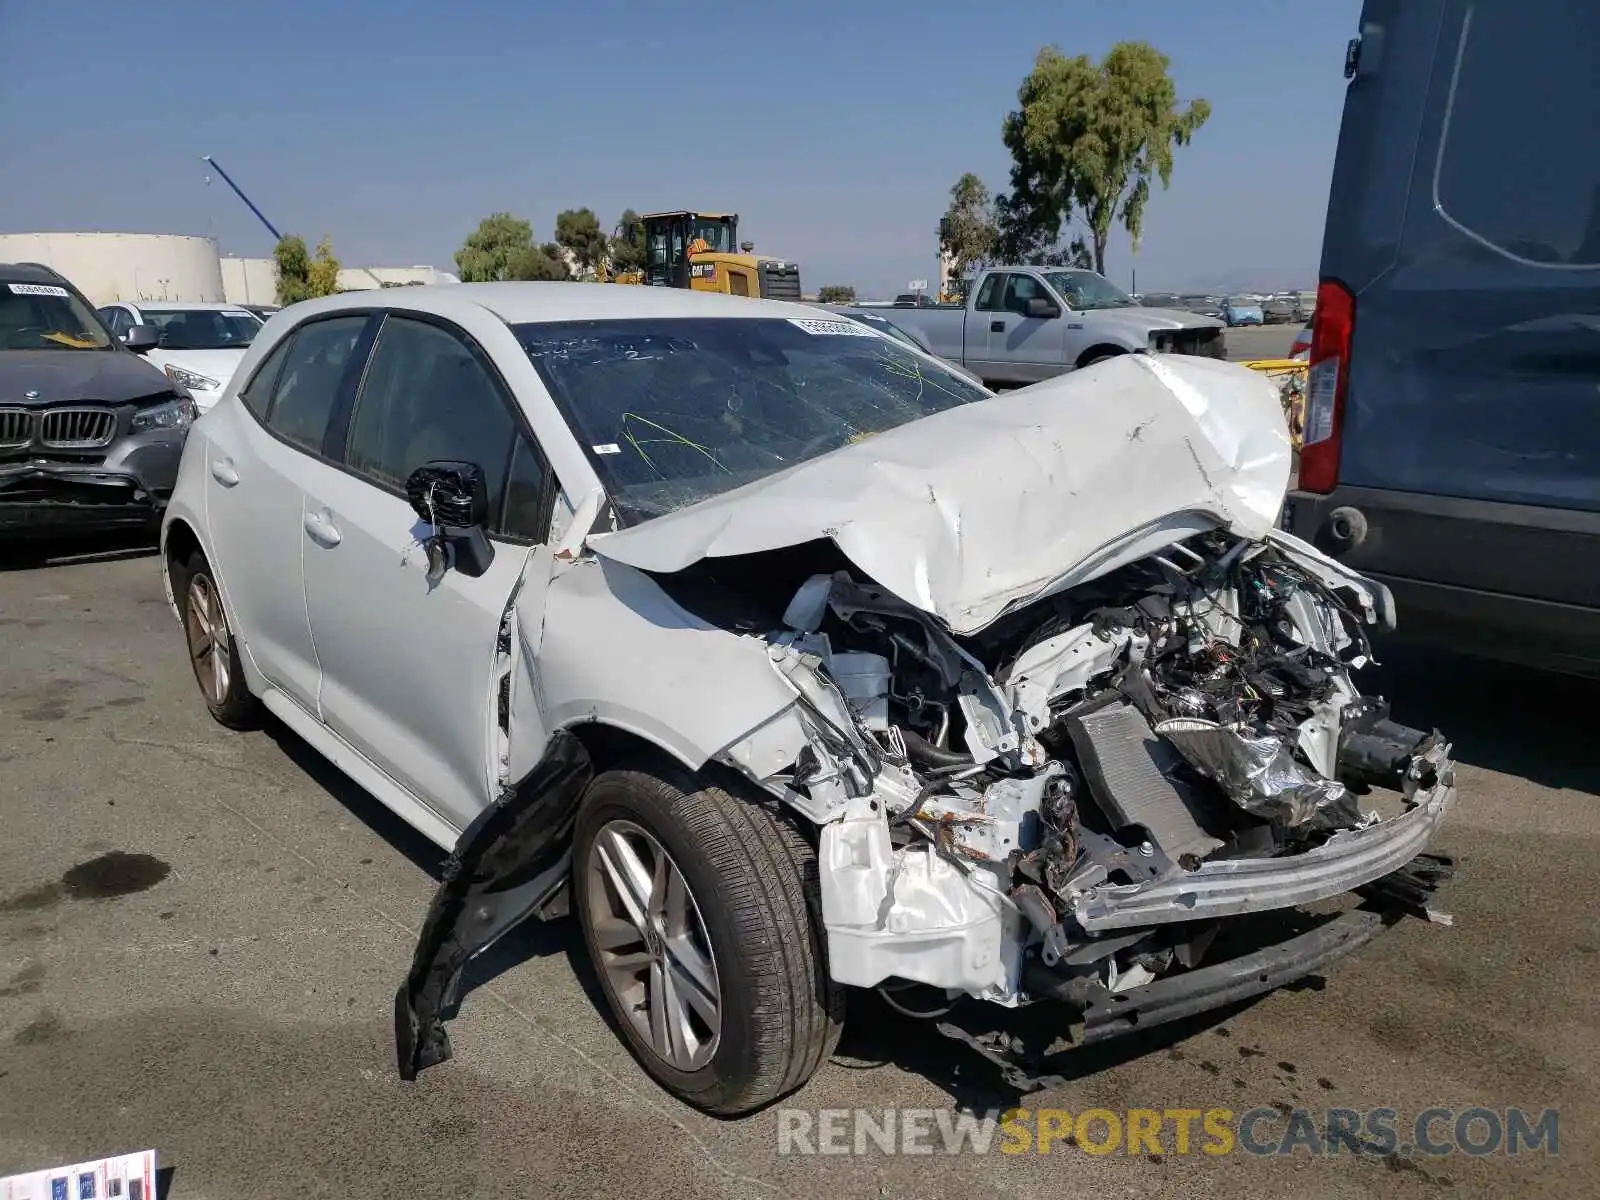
(1064, 785)
(1071, 805)
(1062, 709)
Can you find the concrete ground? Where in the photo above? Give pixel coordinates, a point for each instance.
(201, 933)
(1260, 341)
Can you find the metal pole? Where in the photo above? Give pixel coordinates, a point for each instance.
(216, 166)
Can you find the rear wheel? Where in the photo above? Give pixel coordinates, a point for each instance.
(213, 654)
(701, 913)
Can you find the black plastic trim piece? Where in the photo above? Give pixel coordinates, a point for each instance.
(498, 874)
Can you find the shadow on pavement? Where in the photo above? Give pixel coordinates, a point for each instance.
(361, 803)
(33, 554)
(1506, 718)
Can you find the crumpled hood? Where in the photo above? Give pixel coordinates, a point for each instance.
(107, 376)
(1140, 318)
(975, 510)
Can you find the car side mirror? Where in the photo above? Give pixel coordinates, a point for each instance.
(453, 497)
(140, 338)
(1042, 306)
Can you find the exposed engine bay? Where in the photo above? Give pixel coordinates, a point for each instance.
(1067, 803)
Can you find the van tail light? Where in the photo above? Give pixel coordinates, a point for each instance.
(1327, 381)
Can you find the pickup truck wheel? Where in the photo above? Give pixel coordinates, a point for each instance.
(701, 913)
(213, 654)
(1098, 354)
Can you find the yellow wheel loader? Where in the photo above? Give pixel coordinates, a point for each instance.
(701, 251)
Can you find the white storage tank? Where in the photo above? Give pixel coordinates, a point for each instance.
(125, 266)
(249, 280)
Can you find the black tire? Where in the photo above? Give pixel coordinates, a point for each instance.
(1099, 357)
(754, 880)
(236, 708)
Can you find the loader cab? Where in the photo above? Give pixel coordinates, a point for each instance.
(668, 237)
(702, 252)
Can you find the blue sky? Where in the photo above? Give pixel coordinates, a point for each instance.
(834, 129)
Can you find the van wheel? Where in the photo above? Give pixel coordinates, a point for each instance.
(213, 654)
(701, 913)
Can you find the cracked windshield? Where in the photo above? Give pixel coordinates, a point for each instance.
(1085, 290)
(673, 411)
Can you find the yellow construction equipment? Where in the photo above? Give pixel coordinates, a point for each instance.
(701, 251)
(1289, 374)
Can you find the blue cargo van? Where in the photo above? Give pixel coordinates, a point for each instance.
(1453, 412)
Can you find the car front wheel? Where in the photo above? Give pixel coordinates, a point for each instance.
(702, 917)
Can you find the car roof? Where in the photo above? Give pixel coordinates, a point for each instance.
(524, 303)
(180, 305)
(29, 273)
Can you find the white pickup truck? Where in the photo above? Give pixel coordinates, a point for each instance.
(1023, 324)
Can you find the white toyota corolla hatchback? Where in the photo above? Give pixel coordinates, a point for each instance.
(788, 661)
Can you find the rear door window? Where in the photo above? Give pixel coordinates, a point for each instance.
(258, 392)
(308, 383)
(1515, 169)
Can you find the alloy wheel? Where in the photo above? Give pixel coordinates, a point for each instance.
(207, 632)
(652, 946)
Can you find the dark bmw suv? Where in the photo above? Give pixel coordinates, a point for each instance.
(1452, 443)
(90, 433)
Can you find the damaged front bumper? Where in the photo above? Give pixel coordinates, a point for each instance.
(1233, 886)
(128, 487)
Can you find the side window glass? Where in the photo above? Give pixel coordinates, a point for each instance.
(1019, 290)
(114, 319)
(989, 295)
(258, 391)
(308, 384)
(525, 494)
(1524, 91)
(427, 397)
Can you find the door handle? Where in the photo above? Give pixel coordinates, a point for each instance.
(222, 471)
(997, 326)
(319, 524)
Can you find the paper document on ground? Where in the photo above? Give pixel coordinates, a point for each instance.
(120, 1177)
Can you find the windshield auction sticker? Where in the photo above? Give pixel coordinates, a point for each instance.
(38, 289)
(832, 328)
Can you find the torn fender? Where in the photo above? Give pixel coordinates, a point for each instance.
(509, 860)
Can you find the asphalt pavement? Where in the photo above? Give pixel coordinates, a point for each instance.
(1260, 341)
(201, 933)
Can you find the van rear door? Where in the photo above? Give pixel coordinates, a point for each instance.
(1464, 224)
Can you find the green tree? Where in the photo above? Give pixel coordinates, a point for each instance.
(967, 231)
(836, 293)
(627, 243)
(323, 274)
(578, 232)
(487, 254)
(1090, 136)
(538, 262)
(1029, 234)
(294, 270)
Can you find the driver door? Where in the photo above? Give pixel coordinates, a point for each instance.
(1031, 345)
(410, 667)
